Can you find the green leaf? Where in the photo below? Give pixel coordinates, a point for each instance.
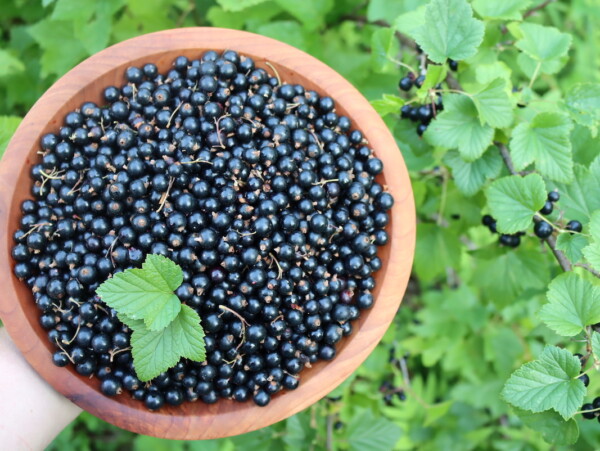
(388, 104)
(155, 352)
(458, 126)
(365, 431)
(53, 37)
(546, 141)
(549, 382)
(494, 105)
(238, 5)
(543, 46)
(596, 345)
(384, 9)
(581, 197)
(288, 31)
(9, 64)
(384, 48)
(73, 10)
(514, 200)
(573, 304)
(571, 245)
(435, 75)
(8, 126)
(438, 241)
(553, 427)
(311, 13)
(502, 10)
(450, 31)
(470, 177)
(410, 22)
(146, 293)
(583, 104)
(437, 411)
(592, 250)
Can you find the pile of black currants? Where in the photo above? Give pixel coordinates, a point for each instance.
(260, 191)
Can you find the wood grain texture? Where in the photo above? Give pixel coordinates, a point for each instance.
(226, 418)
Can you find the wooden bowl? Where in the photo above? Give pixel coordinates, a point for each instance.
(225, 418)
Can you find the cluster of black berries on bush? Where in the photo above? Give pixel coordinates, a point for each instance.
(260, 191)
(541, 228)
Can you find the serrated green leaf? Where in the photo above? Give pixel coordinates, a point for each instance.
(583, 104)
(471, 176)
(486, 73)
(9, 64)
(592, 251)
(384, 47)
(546, 141)
(596, 345)
(503, 10)
(571, 245)
(458, 126)
(366, 431)
(456, 34)
(543, 43)
(288, 31)
(437, 411)
(573, 304)
(514, 200)
(543, 46)
(550, 382)
(8, 126)
(438, 241)
(238, 5)
(388, 104)
(494, 105)
(581, 197)
(73, 10)
(146, 293)
(553, 427)
(409, 22)
(156, 351)
(384, 9)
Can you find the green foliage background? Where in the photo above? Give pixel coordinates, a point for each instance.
(470, 316)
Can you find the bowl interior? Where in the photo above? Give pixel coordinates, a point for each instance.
(86, 83)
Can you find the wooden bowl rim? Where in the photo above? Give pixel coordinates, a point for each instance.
(210, 421)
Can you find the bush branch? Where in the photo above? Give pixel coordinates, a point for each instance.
(537, 8)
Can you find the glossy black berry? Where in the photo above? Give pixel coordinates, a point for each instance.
(585, 379)
(574, 226)
(405, 84)
(553, 196)
(542, 229)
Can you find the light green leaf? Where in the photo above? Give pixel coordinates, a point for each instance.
(435, 75)
(9, 64)
(53, 37)
(438, 241)
(384, 9)
(155, 352)
(514, 200)
(470, 177)
(494, 105)
(571, 245)
(543, 46)
(543, 43)
(288, 31)
(458, 126)
(581, 197)
(546, 141)
(486, 73)
(450, 31)
(384, 48)
(146, 293)
(553, 427)
(503, 10)
(365, 431)
(596, 345)
(388, 104)
(583, 104)
(573, 304)
(311, 13)
(238, 5)
(409, 22)
(73, 10)
(592, 251)
(549, 382)
(8, 126)
(437, 411)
